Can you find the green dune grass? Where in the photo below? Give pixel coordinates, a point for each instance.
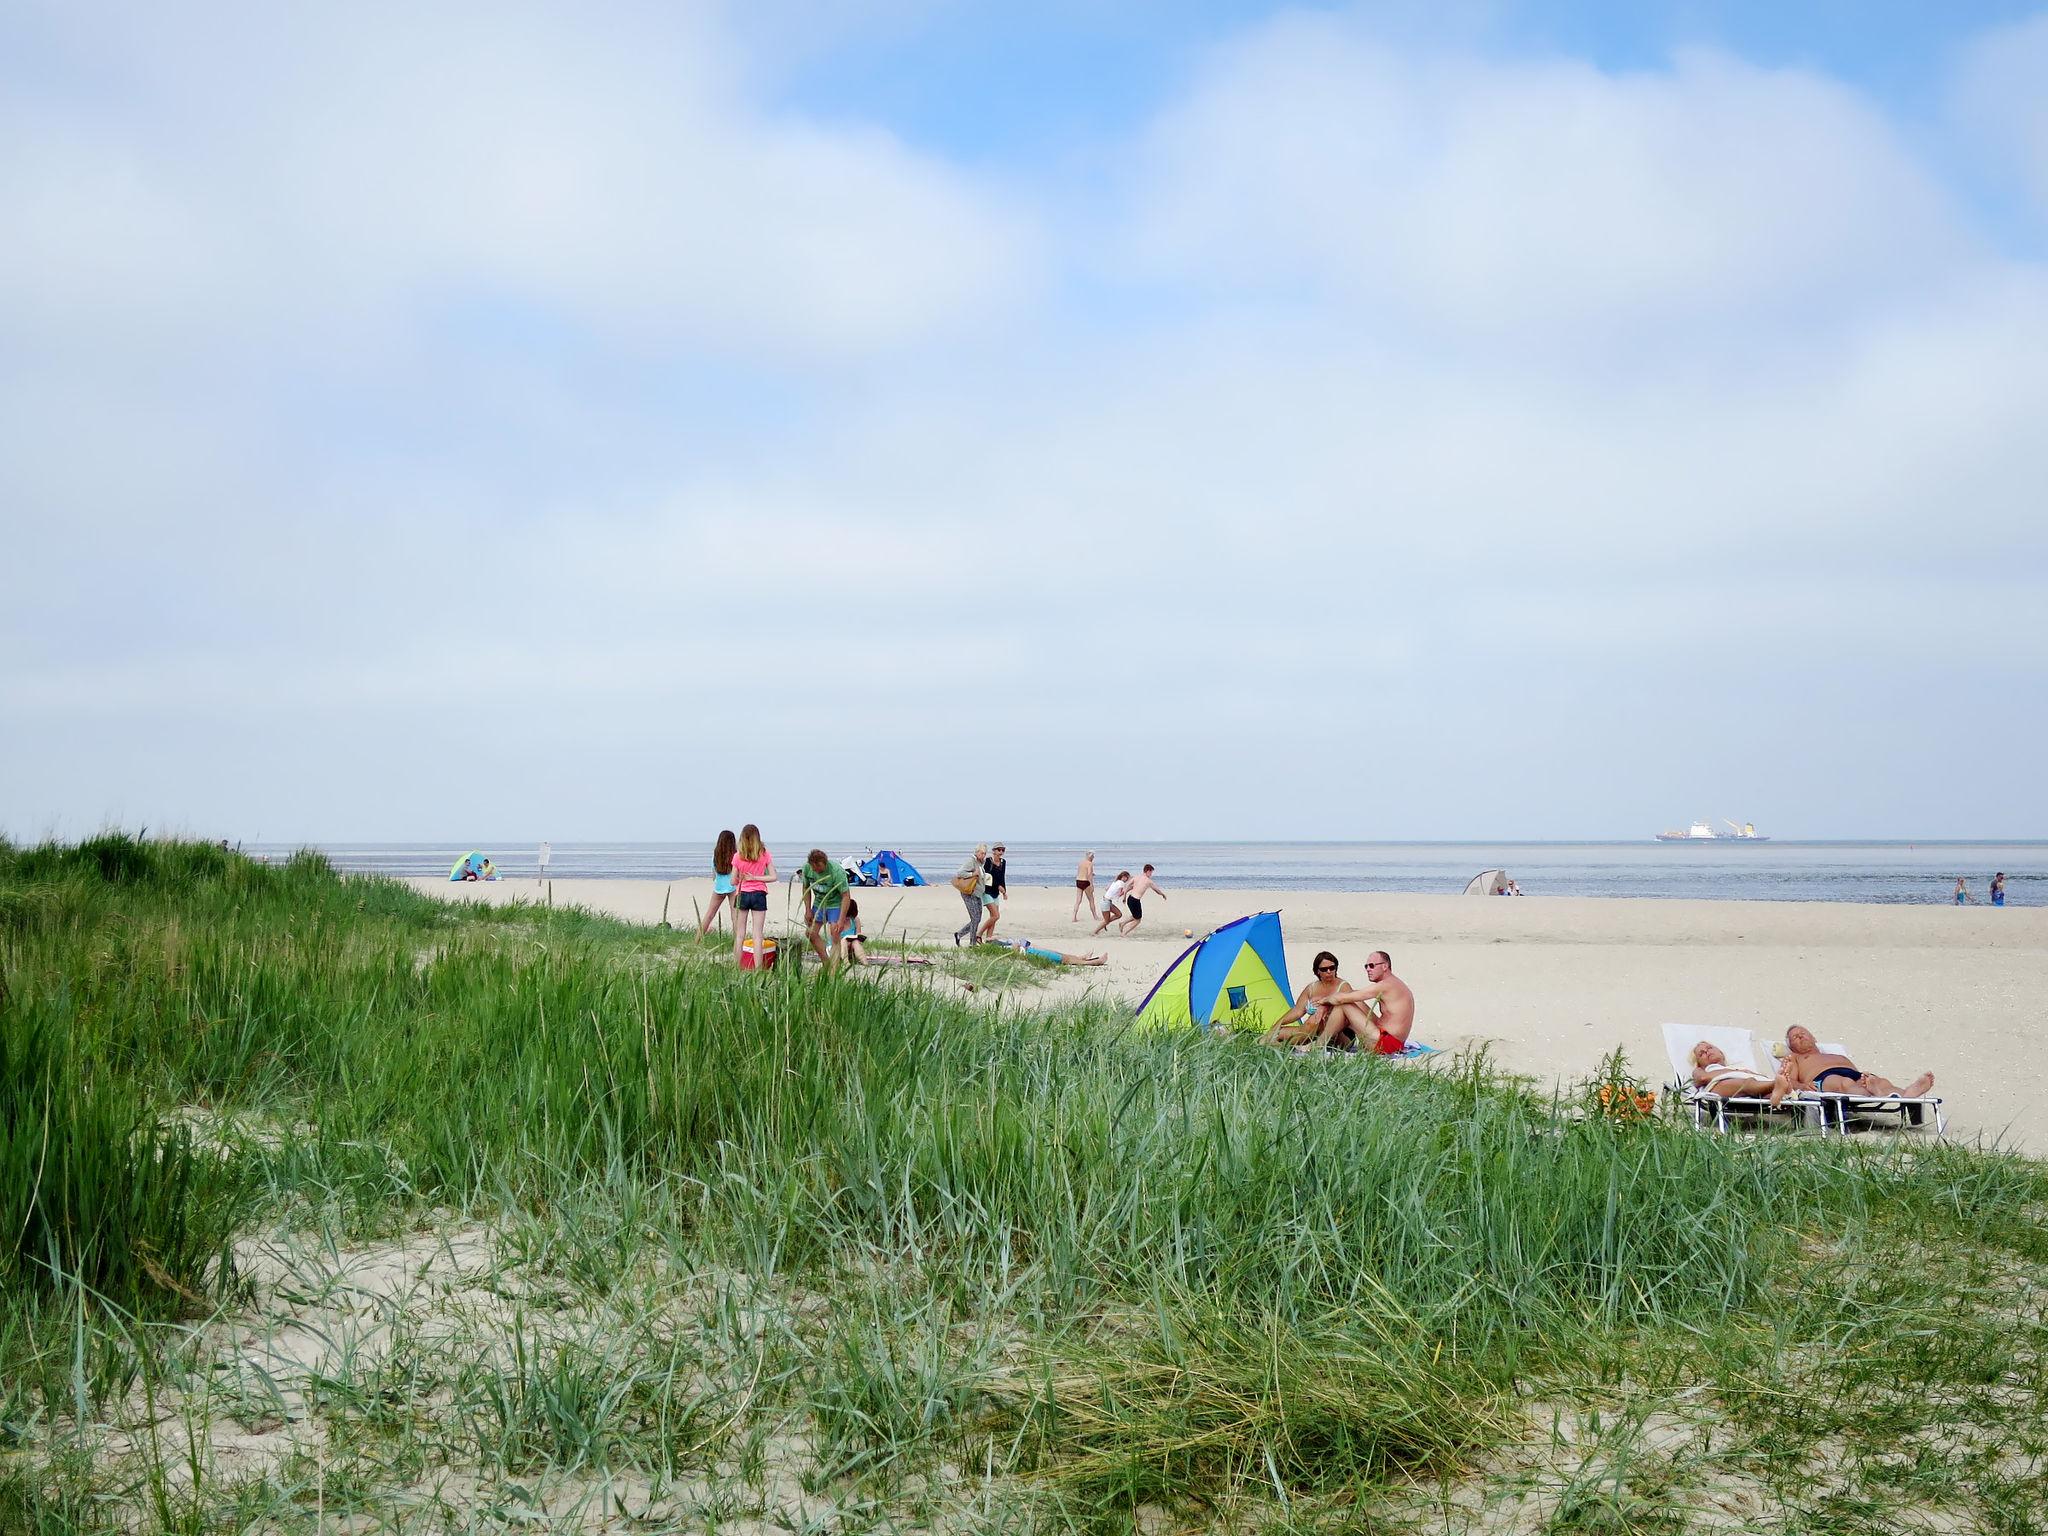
(958, 1266)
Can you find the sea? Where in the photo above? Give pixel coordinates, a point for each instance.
(1880, 872)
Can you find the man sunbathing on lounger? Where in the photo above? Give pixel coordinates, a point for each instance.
(1710, 1071)
(1827, 1072)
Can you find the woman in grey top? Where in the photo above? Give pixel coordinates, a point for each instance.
(970, 893)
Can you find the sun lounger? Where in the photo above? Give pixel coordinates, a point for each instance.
(1741, 1050)
(1852, 1111)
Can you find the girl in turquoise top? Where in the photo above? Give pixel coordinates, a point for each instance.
(721, 878)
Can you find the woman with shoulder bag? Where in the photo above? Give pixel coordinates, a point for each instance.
(967, 881)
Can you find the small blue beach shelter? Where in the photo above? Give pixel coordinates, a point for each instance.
(468, 864)
(901, 870)
(1236, 977)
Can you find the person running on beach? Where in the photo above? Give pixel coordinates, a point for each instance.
(967, 881)
(1084, 885)
(1998, 889)
(1808, 1066)
(1134, 896)
(1304, 1020)
(1111, 913)
(824, 895)
(995, 890)
(1385, 1025)
(721, 880)
(753, 868)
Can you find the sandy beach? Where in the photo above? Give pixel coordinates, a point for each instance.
(1550, 984)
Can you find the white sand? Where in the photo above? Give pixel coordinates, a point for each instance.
(1553, 983)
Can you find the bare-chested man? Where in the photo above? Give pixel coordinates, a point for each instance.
(1828, 1072)
(1352, 1008)
(1134, 899)
(1304, 1020)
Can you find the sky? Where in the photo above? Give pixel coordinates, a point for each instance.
(910, 419)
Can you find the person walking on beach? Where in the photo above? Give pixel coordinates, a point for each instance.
(721, 880)
(1382, 1011)
(1998, 889)
(753, 869)
(995, 890)
(825, 887)
(1134, 900)
(1963, 891)
(1111, 913)
(1084, 885)
(546, 852)
(967, 881)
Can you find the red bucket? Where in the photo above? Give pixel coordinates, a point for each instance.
(765, 961)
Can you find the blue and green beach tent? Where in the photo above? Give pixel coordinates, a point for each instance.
(468, 863)
(1236, 978)
(901, 870)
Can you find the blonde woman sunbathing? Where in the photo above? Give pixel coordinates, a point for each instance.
(1710, 1071)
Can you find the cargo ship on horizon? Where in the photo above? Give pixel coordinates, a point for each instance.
(1701, 832)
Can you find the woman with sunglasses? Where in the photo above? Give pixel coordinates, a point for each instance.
(1304, 1021)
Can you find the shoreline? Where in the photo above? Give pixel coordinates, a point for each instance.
(1551, 984)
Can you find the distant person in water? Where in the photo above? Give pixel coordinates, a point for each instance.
(1381, 1012)
(1134, 902)
(1998, 889)
(1963, 891)
(721, 880)
(1808, 1066)
(1084, 885)
(1304, 1021)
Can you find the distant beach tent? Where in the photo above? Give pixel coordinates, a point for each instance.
(1488, 882)
(901, 870)
(1236, 977)
(473, 866)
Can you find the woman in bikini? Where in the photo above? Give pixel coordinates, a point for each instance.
(1710, 1070)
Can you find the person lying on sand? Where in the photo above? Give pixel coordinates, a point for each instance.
(1351, 1008)
(1304, 1020)
(856, 943)
(1829, 1072)
(1710, 1070)
(1026, 947)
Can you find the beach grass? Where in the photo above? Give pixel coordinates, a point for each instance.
(321, 1197)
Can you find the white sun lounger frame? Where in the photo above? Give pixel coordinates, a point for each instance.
(1817, 1111)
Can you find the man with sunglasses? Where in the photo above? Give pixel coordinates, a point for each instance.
(1304, 1020)
(1353, 1008)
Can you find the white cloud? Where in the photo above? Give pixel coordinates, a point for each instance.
(1999, 96)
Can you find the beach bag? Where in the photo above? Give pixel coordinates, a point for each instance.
(967, 885)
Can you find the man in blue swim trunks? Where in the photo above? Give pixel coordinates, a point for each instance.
(824, 904)
(1808, 1066)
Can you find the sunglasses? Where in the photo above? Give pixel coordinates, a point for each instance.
(1322, 968)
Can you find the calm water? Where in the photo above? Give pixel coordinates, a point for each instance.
(1774, 871)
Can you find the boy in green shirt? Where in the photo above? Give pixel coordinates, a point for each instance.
(824, 901)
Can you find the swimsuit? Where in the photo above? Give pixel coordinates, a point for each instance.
(1821, 1077)
(1389, 1046)
(1082, 885)
(1137, 907)
(721, 885)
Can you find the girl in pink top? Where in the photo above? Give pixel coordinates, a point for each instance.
(753, 867)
